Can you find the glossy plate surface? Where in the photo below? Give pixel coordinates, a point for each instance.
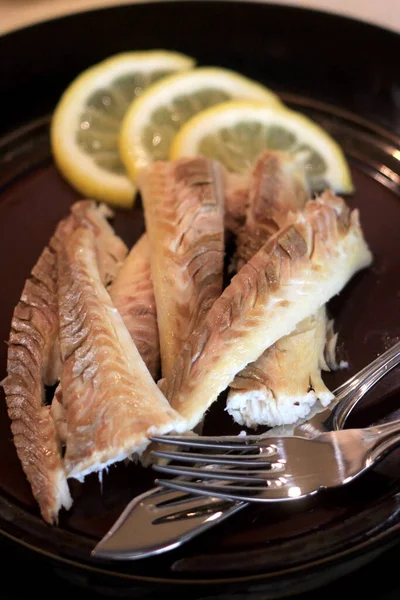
(352, 89)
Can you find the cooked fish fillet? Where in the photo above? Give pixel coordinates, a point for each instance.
(277, 191)
(112, 403)
(110, 253)
(59, 415)
(295, 273)
(236, 191)
(111, 250)
(32, 363)
(276, 186)
(184, 213)
(285, 381)
(132, 294)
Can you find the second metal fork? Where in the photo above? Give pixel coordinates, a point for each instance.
(276, 469)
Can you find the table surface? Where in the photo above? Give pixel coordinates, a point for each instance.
(18, 13)
(378, 582)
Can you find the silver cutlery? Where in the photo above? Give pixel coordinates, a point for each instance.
(259, 469)
(161, 519)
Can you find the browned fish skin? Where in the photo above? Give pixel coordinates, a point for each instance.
(112, 404)
(289, 278)
(132, 293)
(33, 362)
(184, 214)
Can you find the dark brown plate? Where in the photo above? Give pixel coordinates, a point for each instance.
(353, 90)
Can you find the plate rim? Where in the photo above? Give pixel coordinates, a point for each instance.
(383, 538)
(372, 543)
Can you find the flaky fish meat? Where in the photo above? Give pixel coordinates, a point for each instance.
(295, 273)
(132, 294)
(32, 363)
(285, 381)
(184, 212)
(111, 402)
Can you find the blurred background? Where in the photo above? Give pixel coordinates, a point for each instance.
(19, 13)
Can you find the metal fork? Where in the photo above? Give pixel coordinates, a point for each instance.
(161, 519)
(276, 469)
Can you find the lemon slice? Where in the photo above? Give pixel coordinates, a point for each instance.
(152, 122)
(86, 123)
(235, 133)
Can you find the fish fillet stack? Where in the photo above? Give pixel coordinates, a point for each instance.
(142, 343)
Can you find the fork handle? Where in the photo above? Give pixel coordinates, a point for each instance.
(383, 439)
(360, 384)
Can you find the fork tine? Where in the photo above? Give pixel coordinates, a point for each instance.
(229, 492)
(174, 511)
(215, 459)
(209, 442)
(221, 474)
(169, 498)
